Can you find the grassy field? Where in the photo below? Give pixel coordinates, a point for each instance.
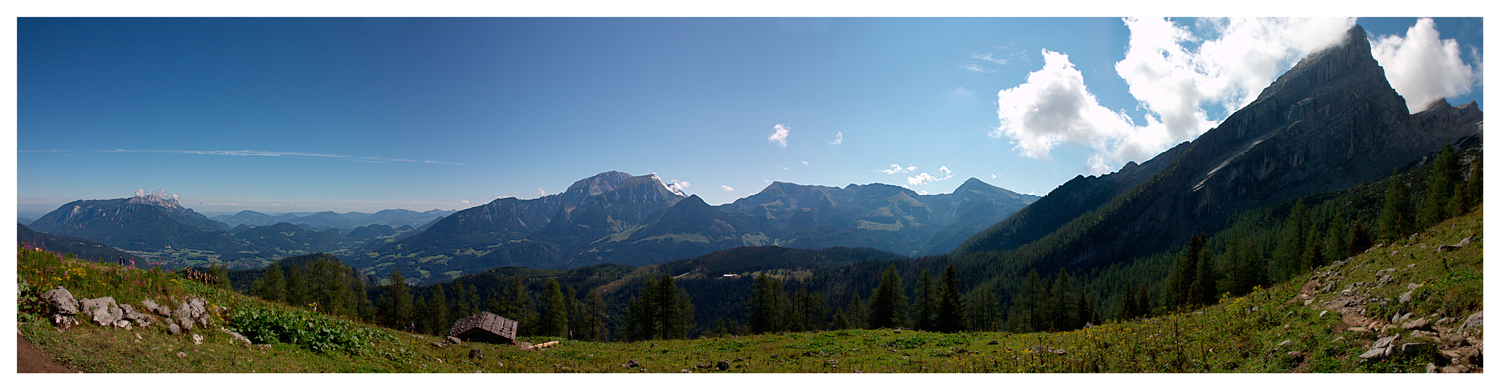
(1270, 330)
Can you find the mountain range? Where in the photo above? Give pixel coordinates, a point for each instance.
(615, 217)
(328, 219)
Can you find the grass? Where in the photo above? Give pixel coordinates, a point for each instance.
(1265, 331)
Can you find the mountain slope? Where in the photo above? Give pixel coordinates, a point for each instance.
(1330, 122)
(83, 249)
(141, 223)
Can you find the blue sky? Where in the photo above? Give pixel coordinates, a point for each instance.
(354, 114)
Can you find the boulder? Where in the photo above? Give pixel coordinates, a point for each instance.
(1418, 324)
(1406, 297)
(722, 365)
(236, 336)
(173, 329)
(63, 321)
(1412, 349)
(1380, 349)
(1475, 321)
(452, 340)
(476, 354)
(153, 308)
(61, 301)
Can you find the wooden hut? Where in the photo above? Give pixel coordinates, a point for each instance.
(485, 327)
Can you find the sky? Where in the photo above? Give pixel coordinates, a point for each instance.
(363, 114)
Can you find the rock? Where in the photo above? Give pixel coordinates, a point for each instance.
(186, 323)
(1446, 248)
(1412, 349)
(173, 329)
(197, 339)
(631, 364)
(236, 335)
(476, 354)
(181, 354)
(1423, 333)
(122, 324)
(1464, 242)
(1283, 343)
(1432, 368)
(453, 340)
(1418, 324)
(1380, 349)
(63, 321)
(438, 344)
(1406, 297)
(831, 361)
(160, 310)
(197, 305)
(1456, 369)
(994, 342)
(61, 301)
(722, 365)
(1475, 321)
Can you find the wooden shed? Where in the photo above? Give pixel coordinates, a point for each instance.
(485, 327)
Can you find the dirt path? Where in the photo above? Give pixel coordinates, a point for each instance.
(29, 359)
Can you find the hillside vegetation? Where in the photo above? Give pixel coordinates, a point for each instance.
(1320, 321)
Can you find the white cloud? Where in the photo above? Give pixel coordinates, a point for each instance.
(982, 62)
(140, 192)
(679, 187)
(1174, 75)
(461, 201)
(896, 168)
(804, 163)
(727, 188)
(779, 137)
(924, 178)
(541, 192)
(1422, 67)
(837, 139)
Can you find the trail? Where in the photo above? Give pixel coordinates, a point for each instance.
(29, 359)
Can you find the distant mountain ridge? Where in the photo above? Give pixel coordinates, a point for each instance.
(615, 217)
(328, 219)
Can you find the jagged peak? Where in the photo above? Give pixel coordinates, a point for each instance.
(600, 183)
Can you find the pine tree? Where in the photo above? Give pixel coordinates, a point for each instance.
(271, 286)
(1291, 248)
(401, 309)
(1396, 217)
(926, 302)
(1440, 183)
(1335, 244)
(555, 318)
(1185, 279)
(808, 311)
(766, 305)
(365, 308)
(1059, 300)
(594, 329)
(1245, 270)
(888, 303)
(952, 310)
(853, 316)
(984, 310)
(1205, 290)
(297, 293)
(437, 310)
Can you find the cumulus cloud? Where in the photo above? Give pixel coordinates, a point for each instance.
(1175, 76)
(727, 188)
(924, 178)
(541, 192)
(1422, 67)
(139, 192)
(463, 201)
(896, 168)
(837, 139)
(779, 137)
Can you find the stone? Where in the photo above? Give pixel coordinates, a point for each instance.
(1405, 297)
(476, 353)
(236, 336)
(1380, 349)
(831, 361)
(1423, 333)
(197, 339)
(1432, 368)
(181, 354)
(994, 342)
(153, 308)
(722, 365)
(1418, 324)
(63, 321)
(173, 329)
(1412, 349)
(187, 323)
(1456, 369)
(631, 364)
(1475, 321)
(198, 306)
(61, 301)
(453, 340)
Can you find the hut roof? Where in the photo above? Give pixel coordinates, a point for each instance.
(484, 322)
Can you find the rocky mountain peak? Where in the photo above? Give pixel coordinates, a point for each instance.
(158, 198)
(599, 184)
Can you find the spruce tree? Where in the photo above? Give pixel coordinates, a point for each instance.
(401, 309)
(1291, 248)
(1440, 183)
(594, 329)
(271, 286)
(297, 293)
(1396, 218)
(765, 307)
(437, 309)
(952, 310)
(984, 310)
(925, 301)
(888, 303)
(555, 319)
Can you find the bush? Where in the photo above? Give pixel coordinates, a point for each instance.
(314, 332)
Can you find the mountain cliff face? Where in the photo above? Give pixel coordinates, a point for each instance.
(617, 218)
(1330, 122)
